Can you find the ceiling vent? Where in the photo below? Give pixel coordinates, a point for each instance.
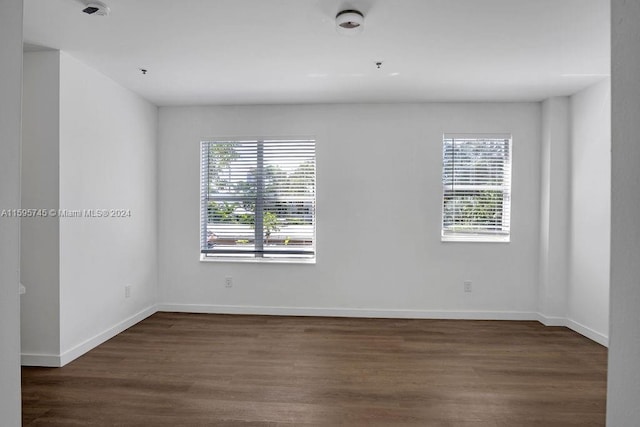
(349, 22)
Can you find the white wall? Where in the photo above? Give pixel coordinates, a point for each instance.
(555, 188)
(40, 240)
(623, 398)
(107, 161)
(10, 109)
(588, 293)
(378, 214)
(89, 144)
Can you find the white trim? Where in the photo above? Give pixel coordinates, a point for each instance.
(254, 260)
(552, 320)
(44, 360)
(84, 347)
(477, 135)
(347, 312)
(574, 326)
(54, 360)
(587, 332)
(467, 238)
(388, 313)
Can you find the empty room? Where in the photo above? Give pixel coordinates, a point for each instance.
(297, 212)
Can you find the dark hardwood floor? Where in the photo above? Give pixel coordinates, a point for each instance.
(195, 369)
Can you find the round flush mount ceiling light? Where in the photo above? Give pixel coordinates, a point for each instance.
(349, 22)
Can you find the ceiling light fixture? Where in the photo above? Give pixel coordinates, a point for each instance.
(96, 8)
(349, 22)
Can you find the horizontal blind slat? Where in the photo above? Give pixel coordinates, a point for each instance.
(476, 185)
(278, 173)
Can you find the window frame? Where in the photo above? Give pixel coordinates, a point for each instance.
(478, 236)
(307, 256)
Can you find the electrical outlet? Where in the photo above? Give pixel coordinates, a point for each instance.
(228, 282)
(467, 285)
(127, 291)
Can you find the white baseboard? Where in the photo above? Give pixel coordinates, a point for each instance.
(348, 312)
(44, 360)
(551, 320)
(575, 326)
(53, 360)
(588, 332)
(82, 348)
(386, 313)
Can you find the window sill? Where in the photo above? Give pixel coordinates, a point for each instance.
(308, 261)
(475, 239)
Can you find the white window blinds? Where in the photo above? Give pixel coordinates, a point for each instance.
(258, 198)
(476, 180)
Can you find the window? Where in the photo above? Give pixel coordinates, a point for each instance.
(476, 181)
(258, 198)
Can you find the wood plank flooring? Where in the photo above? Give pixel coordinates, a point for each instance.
(195, 369)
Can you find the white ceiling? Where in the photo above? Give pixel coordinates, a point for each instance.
(287, 51)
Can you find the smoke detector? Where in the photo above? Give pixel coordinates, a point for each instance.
(96, 8)
(349, 22)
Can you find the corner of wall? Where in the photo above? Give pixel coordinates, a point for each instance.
(554, 205)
